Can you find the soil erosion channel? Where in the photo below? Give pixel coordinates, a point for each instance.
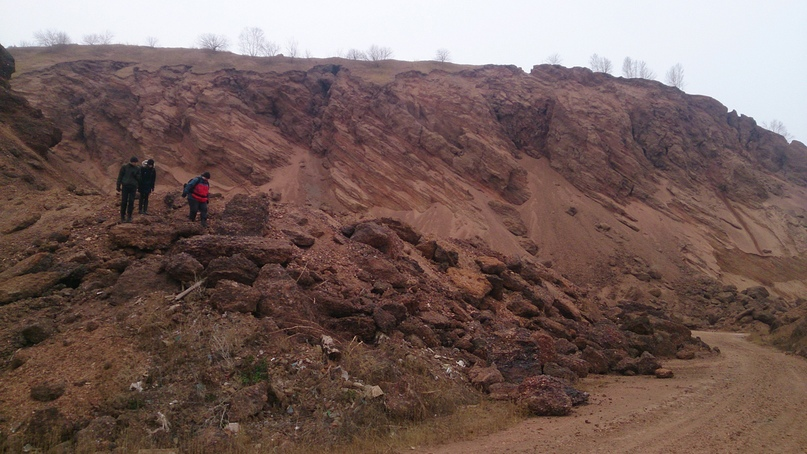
(748, 399)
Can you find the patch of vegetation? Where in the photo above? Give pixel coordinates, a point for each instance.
(253, 372)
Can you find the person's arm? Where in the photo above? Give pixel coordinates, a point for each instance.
(153, 179)
(189, 188)
(120, 179)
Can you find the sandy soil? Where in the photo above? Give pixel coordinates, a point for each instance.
(748, 399)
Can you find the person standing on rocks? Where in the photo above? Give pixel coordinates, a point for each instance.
(198, 192)
(148, 177)
(128, 180)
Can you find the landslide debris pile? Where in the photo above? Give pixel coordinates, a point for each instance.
(305, 327)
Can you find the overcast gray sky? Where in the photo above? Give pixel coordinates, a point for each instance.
(750, 55)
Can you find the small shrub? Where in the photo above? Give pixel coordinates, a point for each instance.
(253, 372)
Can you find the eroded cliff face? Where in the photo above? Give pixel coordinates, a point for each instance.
(597, 171)
(26, 135)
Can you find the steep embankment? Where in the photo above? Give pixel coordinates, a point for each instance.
(639, 171)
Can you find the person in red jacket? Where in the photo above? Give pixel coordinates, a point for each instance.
(198, 193)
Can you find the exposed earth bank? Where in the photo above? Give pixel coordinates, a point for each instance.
(747, 399)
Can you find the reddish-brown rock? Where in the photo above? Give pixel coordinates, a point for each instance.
(231, 296)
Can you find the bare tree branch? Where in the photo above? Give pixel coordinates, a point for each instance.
(270, 49)
(252, 41)
(378, 53)
(675, 76)
(600, 64)
(92, 39)
(50, 37)
(636, 69)
(355, 54)
(443, 55)
(212, 42)
(554, 59)
(779, 128)
(292, 48)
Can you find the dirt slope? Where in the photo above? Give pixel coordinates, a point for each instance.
(749, 399)
(588, 171)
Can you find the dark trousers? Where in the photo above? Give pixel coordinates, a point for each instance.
(197, 206)
(143, 203)
(127, 198)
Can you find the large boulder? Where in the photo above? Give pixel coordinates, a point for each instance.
(484, 377)
(236, 268)
(574, 363)
(490, 265)
(646, 364)
(377, 236)
(35, 263)
(402, 229)
(183, 267)
(36, 332)
(380, 268)
(141, 278)
(596, 360)
(231, 296)
(543, 395)
(758, 293)
(245, 215)
(260, 251)
(299, 239)
(360, 326)
(389, 314)
(472, 284)
(28, 286)
(522, 307)
(144, 237)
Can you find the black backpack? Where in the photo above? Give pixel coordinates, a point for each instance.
(188, 187)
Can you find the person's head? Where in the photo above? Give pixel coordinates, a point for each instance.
(206, 175)
(150, 162)
(133, 161)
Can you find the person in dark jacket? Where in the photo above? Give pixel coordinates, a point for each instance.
(148, 177)
(128, 181)
(198, 193)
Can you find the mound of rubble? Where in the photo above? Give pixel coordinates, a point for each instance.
(282, 317)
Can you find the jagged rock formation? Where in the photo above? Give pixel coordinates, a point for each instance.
(27, 135)
(450, 152)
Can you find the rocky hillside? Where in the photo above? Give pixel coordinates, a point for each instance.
(585, 170)
(388, 242)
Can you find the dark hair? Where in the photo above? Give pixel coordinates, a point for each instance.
(206, 175)
(134, 159)
(149, 162)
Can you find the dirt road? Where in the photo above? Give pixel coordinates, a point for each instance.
(749, 399)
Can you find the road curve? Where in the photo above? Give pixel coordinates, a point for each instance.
(748, 399)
